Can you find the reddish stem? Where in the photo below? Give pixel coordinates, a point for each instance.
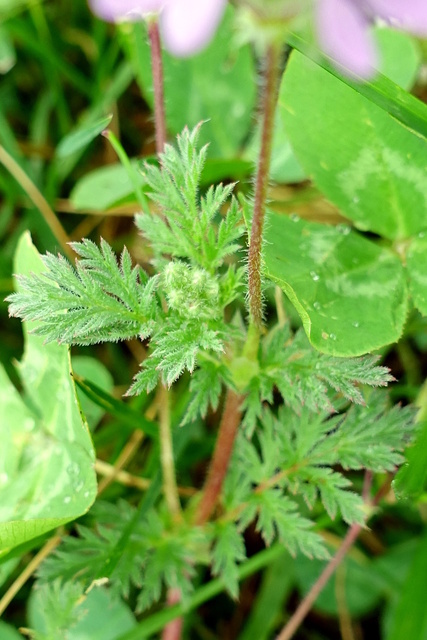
(268, 108)
(159, 99)
(173, 629)
(221, 458)
(306, 604)
(309, 600)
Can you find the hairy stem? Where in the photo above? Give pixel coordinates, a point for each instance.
(268, 108)
(170, 488)
(157, 71)
(306, 604)
(221, 458)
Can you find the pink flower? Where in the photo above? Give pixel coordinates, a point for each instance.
(344, 33)
(186, 25)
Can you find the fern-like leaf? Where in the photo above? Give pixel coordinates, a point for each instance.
(186, 229)
(306, 377)
(98, 301)
(228, 551)
(205, 387)
(175, 349)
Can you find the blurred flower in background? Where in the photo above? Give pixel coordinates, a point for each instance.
(187, 26)
(343, 28)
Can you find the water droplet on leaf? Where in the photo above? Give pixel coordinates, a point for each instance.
(29, 424)
(79, 486)
(73, 469)
(344, 229)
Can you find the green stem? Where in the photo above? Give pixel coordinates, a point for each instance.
(306, 604)
(157, 621)
(268, 108)
(130, 169)
(221, 458)
(170, 488)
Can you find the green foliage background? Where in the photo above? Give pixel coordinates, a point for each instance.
(348, 250)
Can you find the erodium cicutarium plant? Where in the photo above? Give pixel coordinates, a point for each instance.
(300, 428)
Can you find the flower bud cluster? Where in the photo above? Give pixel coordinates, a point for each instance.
(191, 291)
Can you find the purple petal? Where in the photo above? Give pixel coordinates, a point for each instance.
(343, 33)
(410, 15)
(112, 10)
(188, 25)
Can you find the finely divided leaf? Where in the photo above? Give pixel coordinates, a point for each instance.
(175, 348)
(97, 301)
(227, 553)
(205, 387)
(187, 229)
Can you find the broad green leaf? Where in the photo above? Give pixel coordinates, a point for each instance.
(394, 567)
(217, 169)
(9, 633)
(411, 479)
(400, 59)
(400, 56)
(410, 615)
(58, 610)
(284, 167)
(361, 158)
(416, 263)
(46, 459)
(350, 293)
(109, 186)
(93, 370)
(382, 91)
(81, 137)
(224, 76)
(104, 188)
